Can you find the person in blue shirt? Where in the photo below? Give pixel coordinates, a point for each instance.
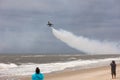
(37, 75)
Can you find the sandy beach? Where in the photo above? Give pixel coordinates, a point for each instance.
(99, 73)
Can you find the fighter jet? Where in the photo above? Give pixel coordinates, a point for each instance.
(50, 24)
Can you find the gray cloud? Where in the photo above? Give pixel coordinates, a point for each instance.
(23, 23)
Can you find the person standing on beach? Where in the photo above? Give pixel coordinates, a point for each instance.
(113, 69)
(37, 75)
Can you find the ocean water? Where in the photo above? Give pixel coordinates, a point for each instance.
(12, 65)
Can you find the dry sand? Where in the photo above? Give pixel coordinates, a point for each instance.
(100, 73)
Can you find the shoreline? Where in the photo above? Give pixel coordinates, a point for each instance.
(98, 73)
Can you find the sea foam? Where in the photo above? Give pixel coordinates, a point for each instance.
(29, 68)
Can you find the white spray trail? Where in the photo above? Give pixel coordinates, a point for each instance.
(86, 45)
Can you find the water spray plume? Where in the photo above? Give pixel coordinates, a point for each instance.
(85, 44)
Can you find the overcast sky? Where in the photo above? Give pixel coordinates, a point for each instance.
(23, 26)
